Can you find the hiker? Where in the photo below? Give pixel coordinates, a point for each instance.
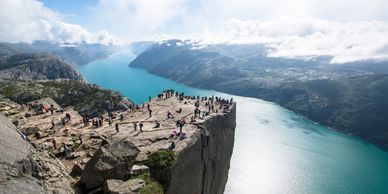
(110, 122)
(135, 125)
(52, 111)
(148, 106)
(181, 124)
(99, 123)
(182, 136)
(121, 117)
(149, 113)
(66, 150)
(63, 121)
(141, 126)
(171, 146)
(52, 123)
(117, 127)
(169, 115)
(68, 116)
(80, 138)
(54, 143)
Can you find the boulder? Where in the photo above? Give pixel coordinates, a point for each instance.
(111, 161)
(139, 169)
(76, 170)
(114, 186)
(29, 130)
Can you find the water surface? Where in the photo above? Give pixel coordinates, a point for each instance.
(275, 150)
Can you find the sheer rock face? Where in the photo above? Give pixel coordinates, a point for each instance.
(111, 161)
(204, 165)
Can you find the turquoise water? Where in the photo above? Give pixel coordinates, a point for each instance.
(275, 150)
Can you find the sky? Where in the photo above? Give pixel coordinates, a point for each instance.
(348, 30)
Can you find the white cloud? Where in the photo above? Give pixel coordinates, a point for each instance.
(306, 37)
(29, 20)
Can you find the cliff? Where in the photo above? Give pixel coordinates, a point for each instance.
(203, 167)
(107, 159)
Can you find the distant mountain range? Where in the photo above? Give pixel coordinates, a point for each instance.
(351, 97)
(76, 54)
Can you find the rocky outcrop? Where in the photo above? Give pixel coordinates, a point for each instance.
(114, 186)
(111, 161)
(17, 166)
(203, 166)
(37, 67)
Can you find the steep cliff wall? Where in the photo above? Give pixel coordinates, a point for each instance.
(204, 165)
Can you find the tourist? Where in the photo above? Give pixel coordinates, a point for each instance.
(141, 127)
(52, 123)
(171, 146)
(66, 150)
(68, 116)
(54, 143)
(117, 127)
(80, 138)
(121, 117)
(149, 113)
(110, 122)
(182, 136)
(135, 125)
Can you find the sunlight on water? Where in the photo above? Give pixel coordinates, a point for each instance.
(275, 150)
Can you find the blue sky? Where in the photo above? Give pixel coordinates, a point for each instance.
(349, 30)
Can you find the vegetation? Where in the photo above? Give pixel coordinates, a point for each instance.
(151, 186)
(161, 159)
(84, 98)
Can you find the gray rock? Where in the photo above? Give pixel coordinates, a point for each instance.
(16, 162)
(30, 130)
(139, 169)
(111, 161)
(114, 186)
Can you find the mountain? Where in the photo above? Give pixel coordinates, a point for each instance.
(77, 54)
(351, 97)
(25, 66)
(25, 77)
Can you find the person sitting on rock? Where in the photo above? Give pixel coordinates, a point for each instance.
(66, 150)
(182, 136)
(169, 115)
(157, 124)
(173, 135)
(68, 116)
(171, 146)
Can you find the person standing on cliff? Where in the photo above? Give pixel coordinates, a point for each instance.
(149, 113)
(117, 127)
(141, 127)
(135, 125)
